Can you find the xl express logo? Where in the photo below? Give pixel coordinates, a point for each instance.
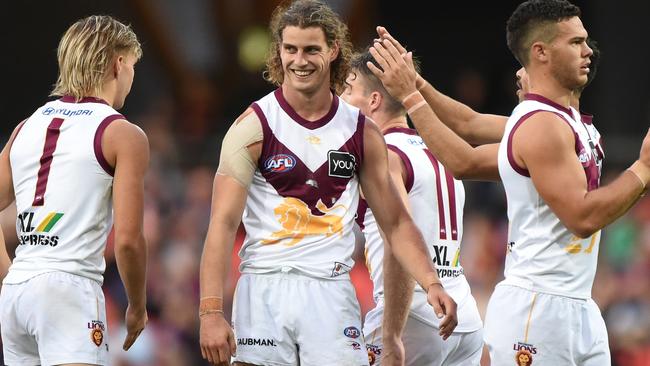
(28, 233)
(280, 163)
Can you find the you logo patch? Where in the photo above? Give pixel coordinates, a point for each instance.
(341, 164)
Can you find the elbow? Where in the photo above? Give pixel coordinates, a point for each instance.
(129, 243)
(583, 228)
(462, 170)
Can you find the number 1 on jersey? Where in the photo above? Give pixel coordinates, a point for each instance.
(51, 138)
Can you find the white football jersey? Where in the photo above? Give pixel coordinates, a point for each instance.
(542, 254)
(63, 187)
(436, 200)
(301, 204)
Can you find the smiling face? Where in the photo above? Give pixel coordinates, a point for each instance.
(306, 59)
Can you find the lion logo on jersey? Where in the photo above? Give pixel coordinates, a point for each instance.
(524, 358)
(298, 221)
(97, 336)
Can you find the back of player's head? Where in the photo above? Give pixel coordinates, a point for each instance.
(359, 66)
(305, 14)
(533, 21)
(86, 52)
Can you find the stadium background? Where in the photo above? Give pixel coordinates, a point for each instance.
(202, 67)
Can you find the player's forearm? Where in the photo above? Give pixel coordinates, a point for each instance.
(398, 292)
(215, 261)
(602, 206)
(459, 157)
(473, 127)
(454, 114)
(131, 258)
(411, 253)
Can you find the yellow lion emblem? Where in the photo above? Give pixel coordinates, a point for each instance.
(297, 221)
(524, 358)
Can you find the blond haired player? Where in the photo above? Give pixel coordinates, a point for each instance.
(549, 163)
(291, 167)
(75, 167)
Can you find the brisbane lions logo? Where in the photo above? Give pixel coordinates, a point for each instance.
(524, 358)
(298, 221)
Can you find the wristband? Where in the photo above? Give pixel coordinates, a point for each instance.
(409, 96)
(210, 304)
(431, 279)
(206, 312)
(641, 172)
(416, 107)
(412, 99)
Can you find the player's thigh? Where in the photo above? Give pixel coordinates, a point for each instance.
(329, 325)
(261, 323)
(465, 349)
(374, 344)
(19, 347)
(422, 344)
(594, 341)
(69, 319)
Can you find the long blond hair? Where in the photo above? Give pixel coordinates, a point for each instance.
(86, 51)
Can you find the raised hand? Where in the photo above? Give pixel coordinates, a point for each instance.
(382, 32)
(397, 73)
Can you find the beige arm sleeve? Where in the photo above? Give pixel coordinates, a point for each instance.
(235, 160)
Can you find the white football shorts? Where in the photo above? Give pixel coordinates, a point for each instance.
(290, 319)
(54, 318)
(523, 327)
(424, 347)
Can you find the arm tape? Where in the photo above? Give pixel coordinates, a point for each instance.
(235, 160)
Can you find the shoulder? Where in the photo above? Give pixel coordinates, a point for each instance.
(545, 123)
(247, 118)
(545, 135)
(121, 132)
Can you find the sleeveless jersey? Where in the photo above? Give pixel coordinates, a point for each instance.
(436, 200)
(301, 204)
(542, 254)
(63, 187)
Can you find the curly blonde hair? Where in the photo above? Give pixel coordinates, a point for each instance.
(304, 14)
(86, 51)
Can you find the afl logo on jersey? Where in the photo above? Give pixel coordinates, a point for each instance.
(352, 332)
(280, 163)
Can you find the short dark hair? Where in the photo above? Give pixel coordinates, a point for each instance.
(530, 23)
(359, 64)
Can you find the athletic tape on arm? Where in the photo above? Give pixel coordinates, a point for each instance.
(235, 161)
